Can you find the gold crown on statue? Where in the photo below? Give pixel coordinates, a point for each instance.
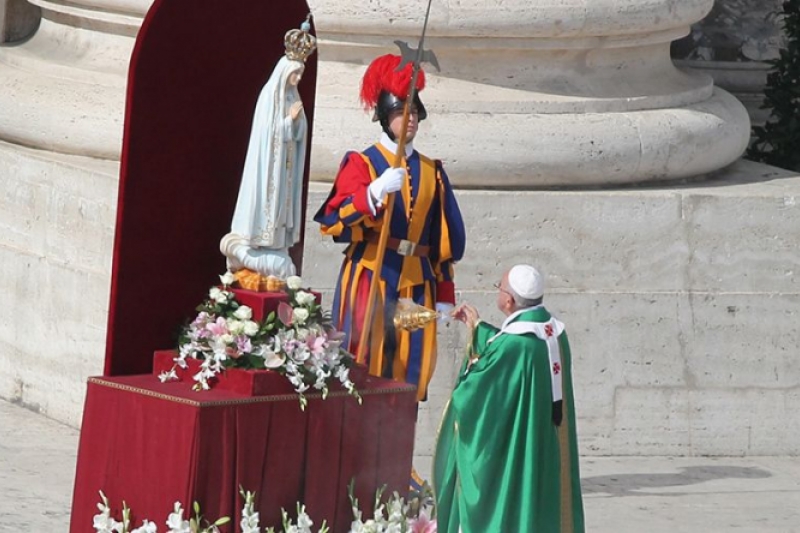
(300, 43)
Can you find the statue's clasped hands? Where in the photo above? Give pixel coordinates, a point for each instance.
(295, 109)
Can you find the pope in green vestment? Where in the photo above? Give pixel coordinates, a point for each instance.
(507, 455)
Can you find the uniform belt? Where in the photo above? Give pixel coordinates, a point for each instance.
(402, 246)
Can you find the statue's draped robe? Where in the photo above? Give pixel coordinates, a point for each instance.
(500, 465)
(269, 207)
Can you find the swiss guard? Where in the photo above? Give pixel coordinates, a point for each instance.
(426, 231)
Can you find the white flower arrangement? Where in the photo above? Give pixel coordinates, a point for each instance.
(298, 341)
(104, 523)
(394, 516)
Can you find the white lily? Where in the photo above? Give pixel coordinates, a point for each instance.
(175, 521)
(165, 376)
(146, 527)
(249, 521)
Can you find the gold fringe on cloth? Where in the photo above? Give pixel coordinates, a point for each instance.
(246, 400)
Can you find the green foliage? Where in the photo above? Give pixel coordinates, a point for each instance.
(778, 141)
(199, 524)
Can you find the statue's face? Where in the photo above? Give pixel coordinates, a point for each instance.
(396, 123)
(295, 77)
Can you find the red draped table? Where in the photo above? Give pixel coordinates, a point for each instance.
(152, 444)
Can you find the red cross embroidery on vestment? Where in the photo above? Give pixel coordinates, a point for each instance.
(548, 330)
(556, 368)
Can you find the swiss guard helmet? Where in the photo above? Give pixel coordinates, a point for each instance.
(384, 90)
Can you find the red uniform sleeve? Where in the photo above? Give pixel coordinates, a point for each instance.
(351, 185)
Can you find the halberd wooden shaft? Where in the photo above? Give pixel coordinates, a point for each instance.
(389, 206)
(384, 237)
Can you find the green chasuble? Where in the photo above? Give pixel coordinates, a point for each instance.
(501, 464)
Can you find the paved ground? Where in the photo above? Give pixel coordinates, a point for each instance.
(621, 494)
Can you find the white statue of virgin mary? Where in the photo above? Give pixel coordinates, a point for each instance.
(267, 219)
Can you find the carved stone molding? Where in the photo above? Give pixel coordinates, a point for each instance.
(571, 93)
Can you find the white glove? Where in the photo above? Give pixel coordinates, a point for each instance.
(444, 309)
(390, 181)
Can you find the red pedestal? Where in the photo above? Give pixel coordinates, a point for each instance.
(152, 443)
(247, 382)
(263, 303)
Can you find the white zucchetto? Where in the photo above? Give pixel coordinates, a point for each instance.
(526, 282)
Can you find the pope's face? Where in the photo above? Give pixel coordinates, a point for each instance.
(505, 301)
(396, 123)
(295, 77)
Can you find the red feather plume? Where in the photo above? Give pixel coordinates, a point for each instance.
(381, 76)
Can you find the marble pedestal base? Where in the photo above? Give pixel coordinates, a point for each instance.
(57, 216)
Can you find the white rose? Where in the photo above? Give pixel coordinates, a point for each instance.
(305, 298)
(226, 339)
(218, 295)
(235, 327)
(294, 282)
(250, 328)
(227, 278)
(300, 315)
(243, 313)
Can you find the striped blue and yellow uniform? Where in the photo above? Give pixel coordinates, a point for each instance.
(426, 214)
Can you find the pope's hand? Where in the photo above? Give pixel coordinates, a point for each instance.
(466, 314)
(294, 111)
(390, 181)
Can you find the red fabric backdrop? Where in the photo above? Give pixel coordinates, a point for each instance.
(195, 75)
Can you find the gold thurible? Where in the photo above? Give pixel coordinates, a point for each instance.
(411, 316)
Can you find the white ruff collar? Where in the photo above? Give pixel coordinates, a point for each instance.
(390, 145)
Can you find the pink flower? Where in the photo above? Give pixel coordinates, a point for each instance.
(423, 524)
(288, 345)
(285, 312)
(316, 344)
(243, 344)
(201, 320)
(218, 328)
